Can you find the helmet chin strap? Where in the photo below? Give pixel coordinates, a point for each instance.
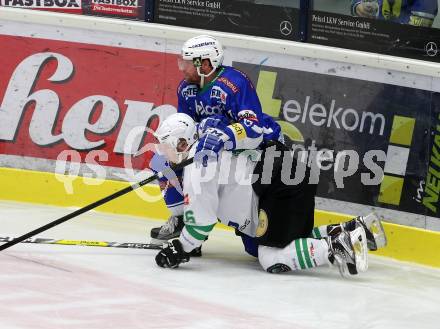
(203, 76)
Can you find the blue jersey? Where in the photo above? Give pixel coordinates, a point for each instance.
(232, 95)
(413, 12)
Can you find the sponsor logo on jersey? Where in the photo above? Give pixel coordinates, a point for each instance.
(246, 223)
(263, 223)
(189, 91)
(219, 93)
(202, 109)
(248, 115)
(238, 130)
(229, 84)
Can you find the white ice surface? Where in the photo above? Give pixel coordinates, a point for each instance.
(53, 286)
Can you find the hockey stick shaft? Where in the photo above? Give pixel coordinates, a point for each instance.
(91, 206)
(88, 243)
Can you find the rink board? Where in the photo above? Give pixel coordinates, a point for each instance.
(313, 91)
(93, 59)
(404, 243)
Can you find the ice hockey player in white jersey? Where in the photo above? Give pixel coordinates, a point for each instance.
(247, 189)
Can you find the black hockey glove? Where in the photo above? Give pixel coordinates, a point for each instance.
(172, 255)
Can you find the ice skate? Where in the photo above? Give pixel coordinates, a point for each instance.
(171, 230)
(348, 251)
(374, 231)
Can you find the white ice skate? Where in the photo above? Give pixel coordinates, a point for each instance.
(348, 250)
(374, 225)
(375, 233)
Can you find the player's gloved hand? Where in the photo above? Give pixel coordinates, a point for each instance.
(172, 255)
(214, 121)
(212, 143)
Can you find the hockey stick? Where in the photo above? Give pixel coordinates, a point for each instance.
(93, 205)
(88, 243)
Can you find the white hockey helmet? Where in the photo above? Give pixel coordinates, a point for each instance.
(196, 49)
(203, 47)
(176, 130)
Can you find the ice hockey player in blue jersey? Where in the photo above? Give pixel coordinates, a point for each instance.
(214, 94)
(412, 12)
(210, 89)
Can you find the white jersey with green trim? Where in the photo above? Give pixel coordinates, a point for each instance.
(220, 191)
(223, 191)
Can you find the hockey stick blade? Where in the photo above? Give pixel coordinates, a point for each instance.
(87, 243)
